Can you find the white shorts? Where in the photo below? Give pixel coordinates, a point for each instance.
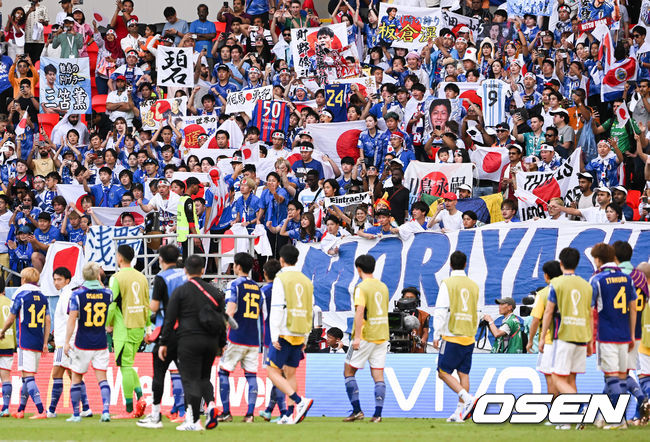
(633, 357)
(28, 360)
(245, 355)
(644, 365)
(81, 359)
(374, 354)
(6, 362)
(545, 360)
(568, 358)
(172, 366)
(60, 358)
(612, 357)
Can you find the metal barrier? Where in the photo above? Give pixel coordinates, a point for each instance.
(150, 257)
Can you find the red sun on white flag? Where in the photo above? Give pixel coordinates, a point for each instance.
(622, 114)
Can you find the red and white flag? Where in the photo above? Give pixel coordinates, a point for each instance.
(606, 49)
(22, 125)
(72, 193)
(623, 115)
(337, 140)
(489, 161)
(101, 19)
(62, 254)
(112, 216)
(219, 191)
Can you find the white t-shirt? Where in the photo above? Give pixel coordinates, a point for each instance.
(594, 215)
(168, 205)
(450, 222)
(307, 196)
(116, 97)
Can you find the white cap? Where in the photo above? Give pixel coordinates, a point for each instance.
(620, 189)
(603, 189)
(463, 29)
(465, 187)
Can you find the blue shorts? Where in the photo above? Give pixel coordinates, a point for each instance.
(455, 357)
(289, 355)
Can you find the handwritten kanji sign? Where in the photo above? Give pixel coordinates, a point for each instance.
(408, 27)
(175, 67)
(244, 101)
(197, 130)
(100, 247)
(65, 85)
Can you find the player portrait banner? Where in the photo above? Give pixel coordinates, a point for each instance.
(560, 183)
(503, 259)
(244, 101)
(65, 85)
(519, 8)
(196, 127)
(408, 27)
(62, 254)
(349, 200)
(101, 248)
(157, 112)
(436, 179)
(174, 67)
(591, 10)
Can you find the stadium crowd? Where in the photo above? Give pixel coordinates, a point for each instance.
(538, 95)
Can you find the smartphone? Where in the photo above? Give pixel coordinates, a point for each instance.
(194, 36)
(225, 5)
(529, 160)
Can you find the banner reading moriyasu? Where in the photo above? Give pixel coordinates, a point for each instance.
(503, 259)
(65, 85)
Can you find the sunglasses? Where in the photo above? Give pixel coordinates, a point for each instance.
(636, 35)
(549, 135)
(502, 130)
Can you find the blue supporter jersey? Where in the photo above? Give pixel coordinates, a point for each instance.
(376, 230)
(106, 196)
(613, 290)
(370, 144)
(30, 307)
(266, 293)
(275, 212)
(336, 100)
(92, 305)
(249, 299)
(52, 234)
(247, 208)
(76, 235)
(301, 168)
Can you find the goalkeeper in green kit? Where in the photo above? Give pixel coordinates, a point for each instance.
(128, 315)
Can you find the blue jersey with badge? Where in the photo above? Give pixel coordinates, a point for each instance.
(92, 305)
(613, 291)
(266, 293)
(336, 101)
(30, 307)
(248, 297)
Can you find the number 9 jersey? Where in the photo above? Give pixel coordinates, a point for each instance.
(613, 292)
(246, 294)
(30, 306)
(92, 305)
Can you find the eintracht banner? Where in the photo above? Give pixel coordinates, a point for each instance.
(560, 183)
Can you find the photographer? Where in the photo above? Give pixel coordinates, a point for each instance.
(421, 334)
(508, 336)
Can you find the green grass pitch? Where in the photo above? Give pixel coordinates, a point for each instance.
(312, 428)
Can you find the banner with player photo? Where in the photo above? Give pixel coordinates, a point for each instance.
(560, 183)
(156, 112)
(65, 85)
(100, 247)
(436, 179)
(450, 20)
(407, 26)
(244, 101)
(198, 129)
(591, 10)
(175, 66)
(644, 16)
(519, 8)
(320, 53)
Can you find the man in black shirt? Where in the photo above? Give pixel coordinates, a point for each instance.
(198, 346)
(398, 195)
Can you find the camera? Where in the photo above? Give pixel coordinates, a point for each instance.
(528, 301)
(401, 323)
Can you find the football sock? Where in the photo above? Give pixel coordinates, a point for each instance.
(34, 392)
(251, 378)
(465, 396)
(289, 411)
(106, 395)
(155, 410)
(352, 389)
(281, 400)
(84, 397)
(57, 389)
(297, 399)
(645, 385)
(224, 390)
(179, 396)
(633, 387)
(24, 395)
(127, 387)
(272, 400)
(75, 398)
(612, 385)
(380, 394)
(7, 389)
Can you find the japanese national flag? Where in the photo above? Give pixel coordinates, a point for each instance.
(262, 244)
(622, 114)
(338, 140)
(62, 254)
(100, 18)
(72, 193)
(22, 125)
(489, 161)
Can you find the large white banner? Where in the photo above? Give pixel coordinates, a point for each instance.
(503, 259)
(175, 67)
(561, 183)
(436, 178)
(451, 20)
(409, 27)
(244, 101)
(101, 248)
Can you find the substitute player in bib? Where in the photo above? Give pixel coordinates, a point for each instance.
(571, 296)
(244, 303)
(87, 314)
(614, 299)
(455, 321)
(164, 284)
(370, 337)
(290, 322)
(7, 347)
(31, 310)
(624, 252)
(128, 315)
(270, 269)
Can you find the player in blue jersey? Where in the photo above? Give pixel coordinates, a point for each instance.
(270, 269)
(244, 303)
(614, 299)
(87, 314)
(31, 310)
(164, 285)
